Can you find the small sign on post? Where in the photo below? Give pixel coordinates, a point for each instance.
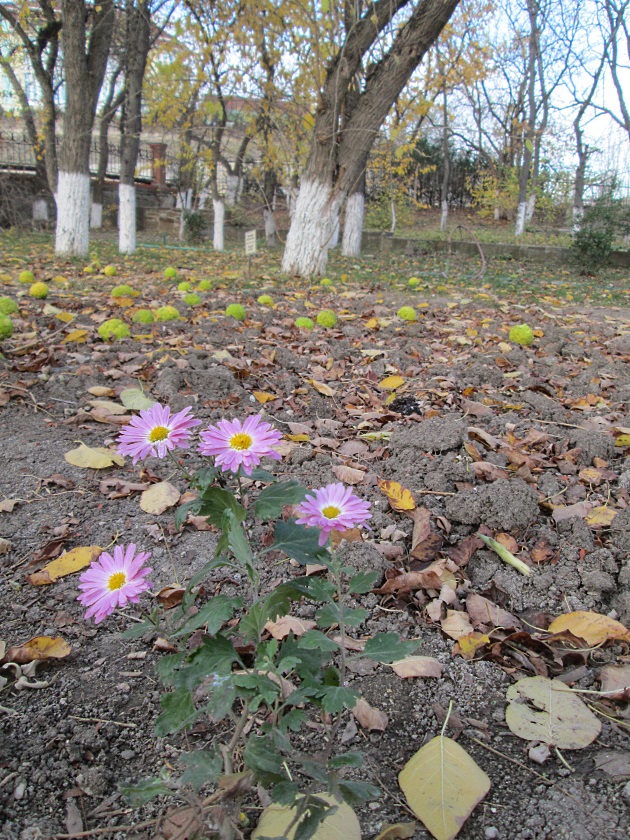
(250, 248)
(250, 242)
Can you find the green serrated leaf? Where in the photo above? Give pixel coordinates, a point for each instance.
(335, 697)
(179, 712)
(285, 793)
(137, 630)
(181, 514)
(214, 614)
(215, 502)
(263, 758)
(298, 543)
(316, 640)
(349, 759)
(146, 790)
(214, 656)
(202, 766)
(362, 582)
(331, 614)
(273, 499)
(273, 606)
(388, 647)
(356, 793)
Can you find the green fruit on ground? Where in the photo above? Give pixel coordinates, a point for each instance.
(265, 300)
(6, 327)
(26, 277)
(59, 280)
(204, 285)
(236, 310)
(170, 273)
(304, 323)
(184, 286)
(167, 313)
(326, 318)
(88, 270)
(143, 316)
(522, 334)
(109, 271)
(8, 306)
(38, 290)
(114, 328)
(407, 313)
(325, 281)
(413, 281)
(192, 299)
(122, 291)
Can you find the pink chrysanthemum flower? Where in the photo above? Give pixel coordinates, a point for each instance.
(155, 432)
(333, 508)
(237, 445)
(111, 582)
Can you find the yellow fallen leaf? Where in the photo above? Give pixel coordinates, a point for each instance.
(76, 336)
(622, 440)
(442, 785)
(372, 324)
(399, 497)
(101, 391)
(97, 458)
(600, 517)
(159, 497)
(592, 627)
(108, 407)
(65, 317)
(466, 646)
(504, 347)
(390, 383)
(69, 562)
(340, 824)
(40, 647)
(397, 831)
(297, 438)
(264, 396)
(322, 388)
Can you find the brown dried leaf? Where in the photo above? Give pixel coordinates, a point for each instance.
(38, 648)
(456, 624)
(348, 475)
(615, 680)
(483, 612)
(418, 666)
(281, 628)
(369, 717)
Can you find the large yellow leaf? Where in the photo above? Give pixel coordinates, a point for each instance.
(390, 383)
(343, 824)
(442, 785)
(159, 497)
(78, 336)
(71, 561)
(592, 627)
(399, 497)
(264, 396)
(96, 458)
(540, 709)
(40, 647)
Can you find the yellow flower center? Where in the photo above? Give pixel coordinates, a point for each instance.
(116, 580)
(330, 511)
(240, 441)
(158, 433)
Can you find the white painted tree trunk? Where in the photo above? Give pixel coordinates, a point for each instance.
(308, 240)
(292, 197)
(96, 216)
(520, 219)
(444, 216)
(578, 213)
(353, 225)
(334, 236)
(72, 235)
(126, 219)
(531, 206)
(218, 207)
(392, 229)
(232, 190)
(497, 212)
(271, 237)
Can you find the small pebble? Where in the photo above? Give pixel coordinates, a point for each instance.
(128, 754)
(625, 793)
(20, 790)
(491, 833)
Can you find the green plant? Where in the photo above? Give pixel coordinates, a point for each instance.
(602, 222)
(194, 227)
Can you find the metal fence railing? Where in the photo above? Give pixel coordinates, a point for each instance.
(16, 154)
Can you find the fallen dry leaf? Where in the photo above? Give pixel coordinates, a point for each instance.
(615, 680)
(456, 624)
(592, 627)
(417, 666)
(159, 497)
(97, 458)
(38, 648)
(69, 562)
(348, 475)
(399, 497)
(281, 628)
(369, 717)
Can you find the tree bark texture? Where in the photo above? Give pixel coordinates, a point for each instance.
(339, 148)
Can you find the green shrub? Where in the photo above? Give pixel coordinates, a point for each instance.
(194, 227)
(602, 222)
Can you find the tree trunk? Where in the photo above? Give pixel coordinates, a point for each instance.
(353, 221)
(580, 177)
(218, 241)
(269, 191)
(137, 45)
(528, 147)
(447, 167)
(84, 73)
(338, 152)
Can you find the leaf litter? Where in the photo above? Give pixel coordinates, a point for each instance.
(548, 421)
